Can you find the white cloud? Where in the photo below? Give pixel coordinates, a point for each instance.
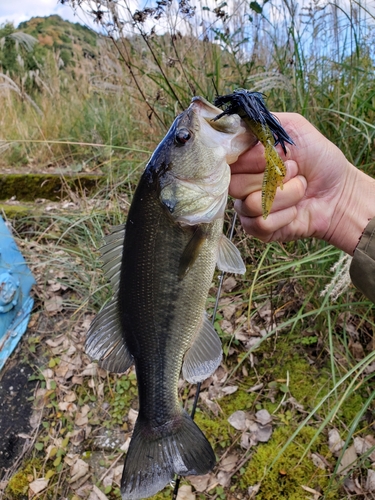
(17, 11)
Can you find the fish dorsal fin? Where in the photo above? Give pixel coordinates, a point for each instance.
(111, 253)
(204, 355)
(191, 252)
(105, 342)
(229, 258)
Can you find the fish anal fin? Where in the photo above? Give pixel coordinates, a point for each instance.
(204, 355)
(105, 341)
(191, 251)
(229, 258)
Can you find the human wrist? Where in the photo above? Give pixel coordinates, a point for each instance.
(355, 208)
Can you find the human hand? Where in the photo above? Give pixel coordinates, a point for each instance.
(324, 195)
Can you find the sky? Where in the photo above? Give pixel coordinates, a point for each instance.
(17, 11)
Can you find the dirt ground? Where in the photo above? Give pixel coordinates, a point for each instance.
(15, 411)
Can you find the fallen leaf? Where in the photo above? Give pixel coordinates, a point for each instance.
(238, 420)
(370, 481)
(68, 407)
(56, 341)
(117, 473)
(227, 327)
(108, 479)
(132, 416)
(362, 445)
(3, 485)
(76, 437)
(212, 405)
(185, 492)
(78, 470)
(228, 463)
(253, 490)
(201, 483)
(224, 478)
(90, 370)
(335, 443)
(316, 493)
(97, 494)
(229, 389)
(318, 461)
(264, 433)
(54, 304)
(70, 396)
(228, 311)
(263, 417)
(126, 445)
(229, 283)
(347, 461)
(37, 486)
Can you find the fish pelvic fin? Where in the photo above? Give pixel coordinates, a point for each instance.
(229, 258)
(204, 355)
(156, 455)
(105, 342)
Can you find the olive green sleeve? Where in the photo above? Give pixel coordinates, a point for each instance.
(362, 269)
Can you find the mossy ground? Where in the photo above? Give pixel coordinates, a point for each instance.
(289, 473)
(29, 187)
(18, 485)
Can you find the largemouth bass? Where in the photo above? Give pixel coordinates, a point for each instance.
(161, 264)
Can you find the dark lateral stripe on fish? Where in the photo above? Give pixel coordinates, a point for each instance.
(252, 104)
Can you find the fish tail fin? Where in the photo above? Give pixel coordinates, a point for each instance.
(155, 455)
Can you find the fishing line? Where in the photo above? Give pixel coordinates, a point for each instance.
(195, 403)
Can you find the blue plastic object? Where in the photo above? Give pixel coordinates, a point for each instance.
(16, 281)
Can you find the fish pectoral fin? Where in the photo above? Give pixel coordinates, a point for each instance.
(229, 258)
(111, 253)
(204, 355)
(191, 252)
(105, 341)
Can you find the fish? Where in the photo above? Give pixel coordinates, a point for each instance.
(160, 264)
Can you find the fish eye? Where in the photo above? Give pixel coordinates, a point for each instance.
(183, 135)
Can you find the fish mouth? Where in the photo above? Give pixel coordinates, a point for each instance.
(226, 123)
(208, 110)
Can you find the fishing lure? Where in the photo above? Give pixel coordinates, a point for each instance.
(268, 130)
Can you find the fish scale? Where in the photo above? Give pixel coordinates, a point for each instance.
(152, 273)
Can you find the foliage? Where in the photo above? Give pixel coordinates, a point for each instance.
(104, 108)
(19, 52)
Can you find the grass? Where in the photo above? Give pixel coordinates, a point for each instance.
(310, 356)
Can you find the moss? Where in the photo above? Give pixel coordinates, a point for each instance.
(240, 400)
(351, 407)
(289, 473)
(53, 187)
(307, 384)
(17, 211)
(217, 430)
(19, 483)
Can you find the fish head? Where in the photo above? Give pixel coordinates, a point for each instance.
(198, 150)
